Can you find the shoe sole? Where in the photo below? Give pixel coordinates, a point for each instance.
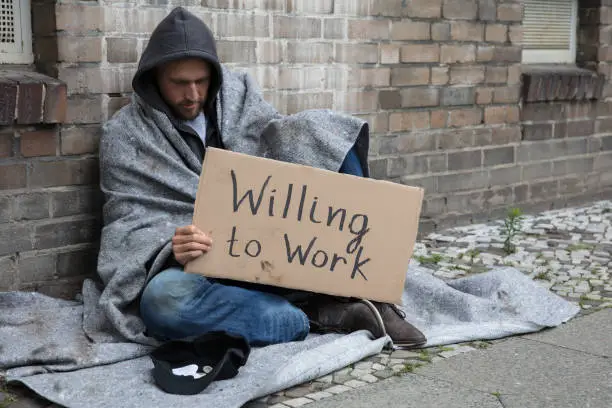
(382, 324)
(409, 345)
(377, 315)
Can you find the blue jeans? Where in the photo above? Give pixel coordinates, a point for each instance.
(176, 304)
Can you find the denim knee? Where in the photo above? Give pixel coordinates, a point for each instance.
(166, 295)
(283, 322)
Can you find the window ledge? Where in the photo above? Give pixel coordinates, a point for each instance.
(546, 83)
(28, 98)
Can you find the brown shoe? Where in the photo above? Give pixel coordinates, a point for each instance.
(339, 315)
(401, 332)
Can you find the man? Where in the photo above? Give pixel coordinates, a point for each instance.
(151, 156)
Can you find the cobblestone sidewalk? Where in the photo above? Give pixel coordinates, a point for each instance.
(566, 250)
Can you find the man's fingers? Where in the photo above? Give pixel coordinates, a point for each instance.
(198, 238)
(188, 256)
(190, 247)
(188, 230)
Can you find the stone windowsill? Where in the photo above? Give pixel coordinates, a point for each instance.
(29, 98)
(548, 83)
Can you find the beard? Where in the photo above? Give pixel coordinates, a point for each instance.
(186, 110)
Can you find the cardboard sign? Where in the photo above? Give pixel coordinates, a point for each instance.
(299, 227)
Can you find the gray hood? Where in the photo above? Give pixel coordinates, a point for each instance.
(179, 35)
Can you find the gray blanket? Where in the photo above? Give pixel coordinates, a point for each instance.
(93, 353)
(45, 343)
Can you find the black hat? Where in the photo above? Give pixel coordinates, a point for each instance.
(187, 367)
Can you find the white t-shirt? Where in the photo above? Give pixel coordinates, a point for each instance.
(198, 124)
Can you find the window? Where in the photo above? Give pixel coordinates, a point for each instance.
(549, 31)
(15, 32)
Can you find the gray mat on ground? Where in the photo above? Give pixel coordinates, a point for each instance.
(46, 344)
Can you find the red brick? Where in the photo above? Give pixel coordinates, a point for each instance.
(514, 74)
(357, 53)
(410, 30)
(368, 29)
(484, 96)
(440, 32)
(460, 9)
(496, 33)
(419, 97)
(438, 119)
(405, 121)
(64, 173)
(496, 75)
(467, 31)
(12, 176)
(30, 102)
(6, 144)
(485, 53)
(8, 99)
(422, 8)
(80, 140)
(79, 49)
(501, 114)
(465, 117)
(368, 77)
(311, 53)
(357, 102)
(39, 143)
(334, 28)
(451, 54)
(389, 54)
(383, 8)
(122, 50)
(390, 99)
(510, 12)
(304, 101)
(439, 75)
(507, 54)
(409, 76)
(294, 27)
(81, 18)
(420, 53)
(516, 34)
(56, 103)
(507, 94)
(467, 75)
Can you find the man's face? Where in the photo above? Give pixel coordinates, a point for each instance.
(184, 86)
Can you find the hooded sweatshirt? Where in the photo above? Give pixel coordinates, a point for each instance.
(181, 35)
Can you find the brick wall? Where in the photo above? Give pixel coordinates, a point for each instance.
(440, 81)
(47, 212)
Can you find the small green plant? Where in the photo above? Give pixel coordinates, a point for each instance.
(424, 356)
(579, 246)
(472, 253)
(542, 276)
(496, 394)
(433, 259)
(483, 345)
(409, 368)
(512, 226)
(446, 348)
(479, 344)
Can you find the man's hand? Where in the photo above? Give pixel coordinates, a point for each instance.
(189, 243)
